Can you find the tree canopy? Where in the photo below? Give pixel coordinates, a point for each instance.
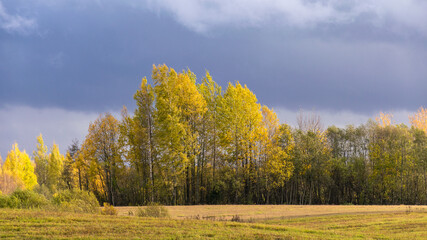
(190, 141)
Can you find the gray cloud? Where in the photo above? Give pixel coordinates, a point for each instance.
(22, 124)
(91, 56)
(346, 59)
(15, 23)
(396, 16)
(201, 16)
(339, 118)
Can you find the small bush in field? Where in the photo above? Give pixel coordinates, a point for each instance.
(26, 199)
(153, 210)
(76, 201)
(236, 218)
(23, 199)
(4, 201)
(108, 210)
(43, 190)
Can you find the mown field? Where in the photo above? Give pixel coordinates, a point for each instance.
(260, 212)
(348, 222)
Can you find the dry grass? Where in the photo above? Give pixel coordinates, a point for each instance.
(259, 212)
(38, 224)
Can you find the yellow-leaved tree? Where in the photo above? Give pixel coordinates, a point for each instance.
(274, 153)
(209, 136)
(8, 184)
(101, 150)
(419, 119)
(1, 176)
(19, 166)
(384, 119)
(240, 120)
(54, 168)
(137, 133)
(180, 108)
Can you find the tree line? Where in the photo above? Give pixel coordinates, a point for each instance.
(191, 142)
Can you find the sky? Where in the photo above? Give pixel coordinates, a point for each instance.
(64, 62)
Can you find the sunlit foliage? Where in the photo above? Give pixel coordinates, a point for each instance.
(18, 165)
(419, 119)
(188, 141)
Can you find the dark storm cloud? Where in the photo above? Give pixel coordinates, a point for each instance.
(87, 57)
(90, 55)
(62, 62)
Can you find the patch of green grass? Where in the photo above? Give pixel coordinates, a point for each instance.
(372, 226)
(39, 224)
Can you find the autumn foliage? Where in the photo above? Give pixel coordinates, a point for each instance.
(191, 142)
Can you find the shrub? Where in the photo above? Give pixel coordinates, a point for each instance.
(108, 210)
(4, 201)
(43, 190)
(236, 218)
(76, 201)
(27, 199)
(153, 210)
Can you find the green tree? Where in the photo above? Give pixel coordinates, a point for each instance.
(41, 159)
(70, 171)
(311, 160)
(388, 155)
(348, 164)
(144, 128)
(54, 168)
(137, 140)
(419, 172)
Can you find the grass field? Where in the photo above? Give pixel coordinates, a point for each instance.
(331, 222)
(259, 212)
